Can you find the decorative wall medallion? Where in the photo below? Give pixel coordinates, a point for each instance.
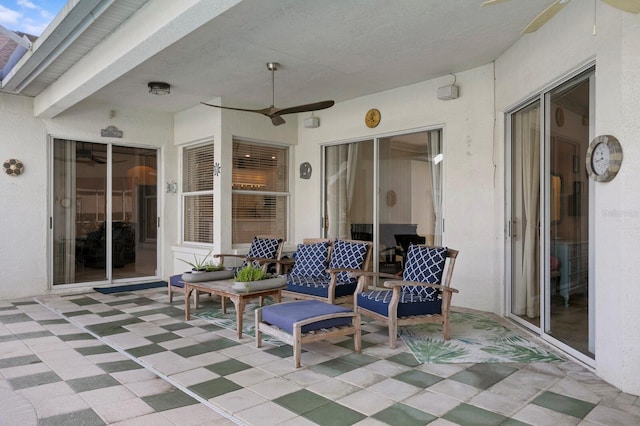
(111, 132)
(559, 117)
(305, 170)
(217, 168)
(13, 167)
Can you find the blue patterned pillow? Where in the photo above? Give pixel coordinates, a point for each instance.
(265, 248)
(347, 255)
(311, 260)
(425, 264)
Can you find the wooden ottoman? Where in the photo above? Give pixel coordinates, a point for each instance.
(306, 321)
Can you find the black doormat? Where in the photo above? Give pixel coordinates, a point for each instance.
(131, 287)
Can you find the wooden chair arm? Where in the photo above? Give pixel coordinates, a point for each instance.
(392, 284)
(359, 273)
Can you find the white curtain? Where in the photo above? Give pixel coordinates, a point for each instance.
(434, 152)
(341, 163)
(528, 135)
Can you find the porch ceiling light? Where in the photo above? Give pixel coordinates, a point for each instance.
(159, 88)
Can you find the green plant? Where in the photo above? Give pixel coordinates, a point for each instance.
(250, 273)
(203, 264)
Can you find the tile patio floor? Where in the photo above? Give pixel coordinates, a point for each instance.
(131, 359)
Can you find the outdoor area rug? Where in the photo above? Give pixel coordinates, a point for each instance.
(228, 320)
(132, 287)
(475, 338)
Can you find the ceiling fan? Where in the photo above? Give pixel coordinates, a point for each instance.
(275, 113)
(631, 6)
(87, 154)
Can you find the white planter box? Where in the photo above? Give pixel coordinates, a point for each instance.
(250, 286)
(198, 277)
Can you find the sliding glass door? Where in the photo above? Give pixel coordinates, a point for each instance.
(406, 208)
(549, 218)
(104, 212)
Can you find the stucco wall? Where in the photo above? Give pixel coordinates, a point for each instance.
(469, 184)
(25, 253)
(537, 61)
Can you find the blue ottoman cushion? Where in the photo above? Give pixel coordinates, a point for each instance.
(283, 315)
(174, 280)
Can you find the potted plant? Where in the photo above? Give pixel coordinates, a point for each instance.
(205, 270)
(253, 278)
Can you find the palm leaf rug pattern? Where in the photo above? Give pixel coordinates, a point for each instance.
(228, 320)
(475, 338)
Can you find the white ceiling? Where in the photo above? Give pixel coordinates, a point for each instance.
(329, 49)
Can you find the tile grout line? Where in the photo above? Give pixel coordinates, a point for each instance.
(144, 365)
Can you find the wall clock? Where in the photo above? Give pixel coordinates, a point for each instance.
(372, 118)
(604, 158)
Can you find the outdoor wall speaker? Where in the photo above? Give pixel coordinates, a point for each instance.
(447, 93)
(311, 122)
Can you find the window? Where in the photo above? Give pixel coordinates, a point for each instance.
(260, 190)
(197, 193)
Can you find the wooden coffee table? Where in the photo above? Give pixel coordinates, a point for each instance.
(223, 289)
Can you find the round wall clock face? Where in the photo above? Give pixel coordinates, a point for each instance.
(604, 158)
(560, 117)
(372, 118)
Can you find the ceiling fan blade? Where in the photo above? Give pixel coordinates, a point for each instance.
(544, 16)
(276, 120)
(631, 6)
(265, 111)
(492, 2)
(316, 106)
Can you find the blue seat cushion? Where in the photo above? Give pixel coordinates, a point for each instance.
(347, 255)
(174, 281)
(311, 260)
(284, 315)
(410, 303)
(318, 286)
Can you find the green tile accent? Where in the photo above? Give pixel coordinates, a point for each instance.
(84, 417)
(282, 351)
(83, 301)
(230, 366)
(209, 327)
(162, 337)
(75, 336)
(145, 350)
(53, 321)
(333, 414)
(404, 358)
(18, 361)
(169, 400)
(110, 313)
(118, 302)
(465, 414)
(359, 360)
(348, 344)
(483, 376)
(94, 350)
(114, 327)
(215, 387)
(34, 380)
(14, 318)
(90, 383)
(302, 401)
(333, 367)
(221, 343)
(193, 350)
(176, 326)
(34, 335)
(563, 404)
(513, 422)
(403, 415)
(24, 303)
(418, 378)
(8, 338)
(77, 313)
(116, 366)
